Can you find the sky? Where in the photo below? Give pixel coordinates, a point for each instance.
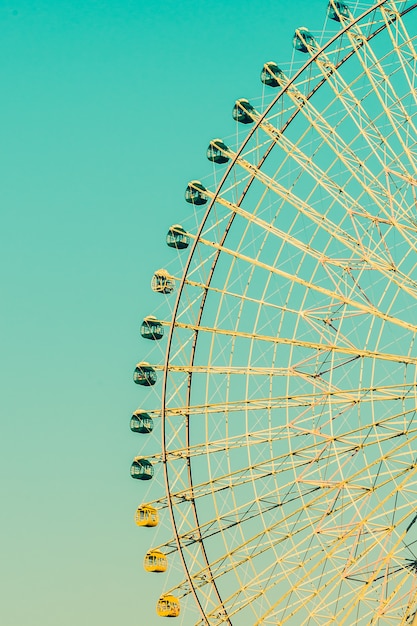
(107, 109)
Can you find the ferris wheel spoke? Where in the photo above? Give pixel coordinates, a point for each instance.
(382, 484)
(329, 553)
(389, 101)
(369, 131)
(393, 425)
(202, 576)
(332, 395)
(304, 455)
(361, 46)
(275, 434)
(382, 268)
(364, 307)
(324, 346)
(331, 136)
(351, 243)
(299, 592)
(307, 374)
(402, 44)
(246, 552)
(253, 219)
(362, 221)
(357, 167)
(244, 556)
(338, 192)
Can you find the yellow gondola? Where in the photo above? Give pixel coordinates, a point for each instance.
(155, 561)
(168, 606)
(146, 515)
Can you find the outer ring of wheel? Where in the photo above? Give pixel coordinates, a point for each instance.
(208, 282)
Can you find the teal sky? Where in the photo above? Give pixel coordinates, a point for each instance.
(107, 109)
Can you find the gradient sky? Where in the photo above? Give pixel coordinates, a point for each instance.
(107, 109)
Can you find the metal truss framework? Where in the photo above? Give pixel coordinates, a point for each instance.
(289, 384)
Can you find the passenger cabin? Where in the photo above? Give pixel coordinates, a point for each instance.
(162, 282)
(216, 151)
(303, 40)
(141, 422)
(177, 237)
(168, 606)
(338, 10)
(151, 328)
(144, 374)
(196, 193)
(146, 515)
(242, 111)
(271, 75)
(155, 561)
(141, 469)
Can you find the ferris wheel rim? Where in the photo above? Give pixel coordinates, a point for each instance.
(311, 59)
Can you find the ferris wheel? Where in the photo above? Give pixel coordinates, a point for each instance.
(288, 391)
